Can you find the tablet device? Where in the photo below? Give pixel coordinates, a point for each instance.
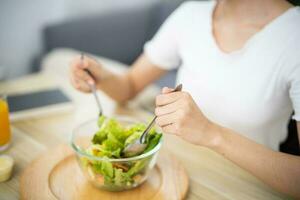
(37, 103)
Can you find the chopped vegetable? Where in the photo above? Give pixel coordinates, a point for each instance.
(109, 142)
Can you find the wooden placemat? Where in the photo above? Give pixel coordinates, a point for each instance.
(56, 175)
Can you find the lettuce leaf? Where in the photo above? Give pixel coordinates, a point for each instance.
(109, 142)
(137, 167)
(113, 137)
(104, 168)
(133, 137)
(107, 169)
(101, 121)
(153, 140)
(120, 177)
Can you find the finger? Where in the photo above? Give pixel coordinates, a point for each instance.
(91, 65)
(82, 86)
(88, 64)
(79, 84)
(85, 76)
(167, 90)
(78, 63)
(170, 129)
(164, 99)
(169, 108)
(166, 119)
(75, 83)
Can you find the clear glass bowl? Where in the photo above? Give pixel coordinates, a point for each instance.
(126, 173)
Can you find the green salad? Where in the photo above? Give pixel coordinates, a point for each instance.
(109, 142)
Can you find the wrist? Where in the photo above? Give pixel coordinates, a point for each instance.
(217, 136)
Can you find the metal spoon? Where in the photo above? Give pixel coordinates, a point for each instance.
(138, 145)
(93, 89)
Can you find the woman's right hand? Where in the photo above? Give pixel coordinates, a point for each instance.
(80, 78)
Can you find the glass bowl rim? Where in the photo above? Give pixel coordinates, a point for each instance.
(79, 151)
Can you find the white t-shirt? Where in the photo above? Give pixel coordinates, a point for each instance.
(253, 90)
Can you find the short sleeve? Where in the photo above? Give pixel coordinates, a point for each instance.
(295, 92)
(163, 48)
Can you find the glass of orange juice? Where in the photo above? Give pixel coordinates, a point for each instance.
(5, 134)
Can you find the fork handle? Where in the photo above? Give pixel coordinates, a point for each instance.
(143, 137)
(93, 88)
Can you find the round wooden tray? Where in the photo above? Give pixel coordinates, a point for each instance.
(56, 175)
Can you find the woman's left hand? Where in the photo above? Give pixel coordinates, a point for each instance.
(178, 114)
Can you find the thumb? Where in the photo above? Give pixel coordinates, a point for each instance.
(167, 90)
(90, 64)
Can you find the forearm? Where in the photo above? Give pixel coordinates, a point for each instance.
(279, 170)
(124, 87)
(177, 113)
(118, 87)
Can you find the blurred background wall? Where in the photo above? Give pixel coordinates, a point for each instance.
(22, 24)
(111, 28)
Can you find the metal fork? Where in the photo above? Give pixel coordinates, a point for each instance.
(93, 88)
(138, 145)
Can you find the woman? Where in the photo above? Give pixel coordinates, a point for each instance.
(240, 66)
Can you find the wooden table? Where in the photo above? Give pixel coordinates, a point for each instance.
(211, 176)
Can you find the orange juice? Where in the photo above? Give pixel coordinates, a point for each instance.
(4, 124)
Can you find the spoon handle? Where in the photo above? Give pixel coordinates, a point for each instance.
(143, 136)
(93, 89)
